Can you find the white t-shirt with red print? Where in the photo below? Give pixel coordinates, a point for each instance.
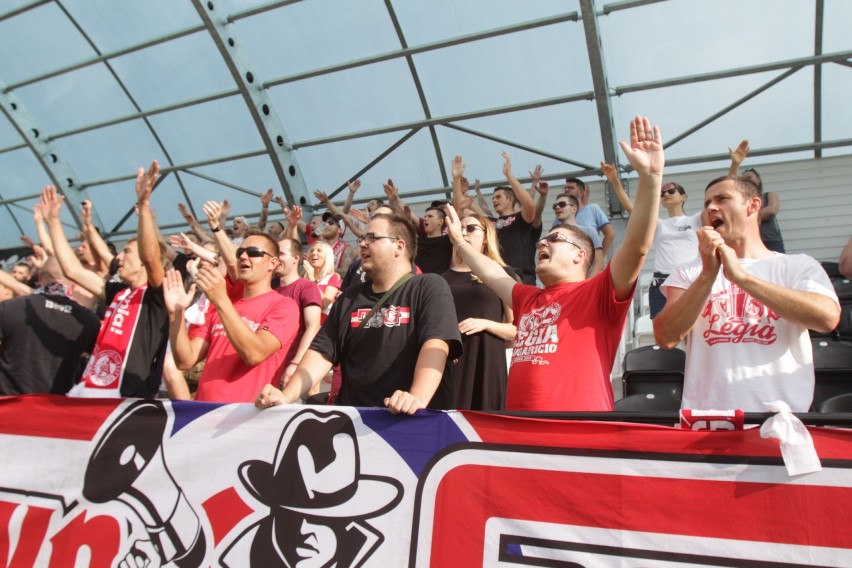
(740, 353)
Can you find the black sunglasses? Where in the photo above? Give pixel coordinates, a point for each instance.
(669, 191)
(561, 205)
(252, 252)
(471, 228)
(557, 238)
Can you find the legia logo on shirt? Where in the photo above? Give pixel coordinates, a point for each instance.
(733, 316)
(537, 335)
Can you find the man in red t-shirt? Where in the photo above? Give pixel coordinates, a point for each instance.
(244, 342)
(569, 331)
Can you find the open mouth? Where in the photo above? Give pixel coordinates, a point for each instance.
(716, 223)
(543, 255)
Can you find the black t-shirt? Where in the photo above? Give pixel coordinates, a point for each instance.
(517, 244)
(383, 359)
(144, 369)
(434, 254)
(44, 340)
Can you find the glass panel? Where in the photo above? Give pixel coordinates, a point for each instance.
(216, 129)
(426, 22)
(315, 34)
(170, 72)
(23, 52)
(22, 174)
(357, 99)
(116, 25)
(570, 131)
(87, 96)
(835, 33)
(506, 70)
(110, 152)
(836, 111)
(768, 120)
(687, 38)
(412, 166)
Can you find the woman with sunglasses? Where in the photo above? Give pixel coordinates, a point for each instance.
(675, 240)
(479, 377)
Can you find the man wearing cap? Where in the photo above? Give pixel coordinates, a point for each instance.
(391, 335)
(745, 310)
(245, 342)
(332, 232)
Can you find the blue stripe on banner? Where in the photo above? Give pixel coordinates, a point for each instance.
(417, 438)
(186, 411)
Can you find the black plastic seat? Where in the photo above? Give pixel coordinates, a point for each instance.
(648, 402)
(843, 289)
(839, 403)
(653, 370)
(832, 370)
(832, 269)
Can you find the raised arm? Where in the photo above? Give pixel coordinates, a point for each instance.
(182, 241)
(541, 189)
(194, 225)
(480, 200)
(492, 274)
(611, 174)
(312, 315)
(459, 194)
(396, 202)
(147, 232)
(738, 154)
(41, 229)
(17, 288)
(294, 221)
(312, 368)
(100, 251)
(71, 266)
(185, 351)
(227, 251)
(527, 204)
(771, 208)
(646, 155)
(265, 198)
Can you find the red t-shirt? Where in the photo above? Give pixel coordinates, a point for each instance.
(305, 293)
(566, 342)
(226, 378)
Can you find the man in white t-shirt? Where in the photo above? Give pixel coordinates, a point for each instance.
(747, 324)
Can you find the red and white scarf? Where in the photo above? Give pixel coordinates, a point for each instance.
(338, 249)
(105, 369)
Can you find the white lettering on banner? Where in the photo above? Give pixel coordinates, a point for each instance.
(537, 335)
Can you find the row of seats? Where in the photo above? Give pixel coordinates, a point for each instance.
(652, 378)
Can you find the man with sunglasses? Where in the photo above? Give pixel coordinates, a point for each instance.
(568, 332)
(565, 210)
(392, 335)
(244, 342)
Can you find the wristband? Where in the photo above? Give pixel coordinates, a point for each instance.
(215, 229)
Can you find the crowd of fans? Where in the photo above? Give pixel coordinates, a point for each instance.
(439, 310)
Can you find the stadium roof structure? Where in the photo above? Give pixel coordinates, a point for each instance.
(236, 96)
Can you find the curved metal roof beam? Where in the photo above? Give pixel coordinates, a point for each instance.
(58, 170)
(258, 103)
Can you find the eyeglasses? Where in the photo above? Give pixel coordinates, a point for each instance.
(370, 238)
(562, 205)
(252, 252)
(558, 237)
(471, 228)
(669, 191)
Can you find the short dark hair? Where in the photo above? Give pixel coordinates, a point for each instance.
(438, 209)
(508, 190)
(253, 232)
(578, 181)
(752, 174)
(677, 186)
(400, 226)
(743, 184)
(572, 198)
(585, 240)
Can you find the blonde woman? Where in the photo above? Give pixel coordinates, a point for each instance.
(319, 267)
(479, 377)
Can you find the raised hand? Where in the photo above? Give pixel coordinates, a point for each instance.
(280, 201)
(179, 241)
(609, 172)
(536, 174)
(86, 212)
(458, 166)
(213, 210)
(226, 208)
(212, 283)
(145, 182)
(543, 187)
(507, 165)
(321, 196)
(391, 191)
(476, 187)
(453, 224)
(354, 186)
(51, 202)
(39, 255)
(739, 153)
(645, 151)
(293, 214)
(465, 185)
(175, 295)
(266, 197)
